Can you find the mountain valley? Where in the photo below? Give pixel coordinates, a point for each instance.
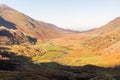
(36, 50)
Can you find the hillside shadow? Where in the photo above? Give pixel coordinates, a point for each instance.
(4, 48)
(10, 61)
(54, 71)
(7, 24)
(32, 40)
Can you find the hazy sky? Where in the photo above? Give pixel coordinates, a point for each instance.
(70, 14)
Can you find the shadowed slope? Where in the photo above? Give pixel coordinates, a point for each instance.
(7, 24)
(9, 36)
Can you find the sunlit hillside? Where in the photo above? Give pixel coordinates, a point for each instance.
(36, 50)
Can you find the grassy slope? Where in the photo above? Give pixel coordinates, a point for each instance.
(67, 50)
(77, 53)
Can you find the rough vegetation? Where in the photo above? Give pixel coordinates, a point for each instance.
(18, 67)
(34, 50)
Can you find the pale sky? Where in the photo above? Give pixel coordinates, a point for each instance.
(69, 14)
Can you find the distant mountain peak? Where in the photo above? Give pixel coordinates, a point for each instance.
(5, 7)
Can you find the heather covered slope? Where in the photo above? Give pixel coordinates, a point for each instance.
(13, 19)
(106, 37)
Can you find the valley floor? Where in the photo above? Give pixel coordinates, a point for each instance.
(65, 58)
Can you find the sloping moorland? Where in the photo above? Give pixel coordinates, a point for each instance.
(35, 50)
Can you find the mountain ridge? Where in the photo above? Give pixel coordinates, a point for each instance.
(13, 19)
(5, 7)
